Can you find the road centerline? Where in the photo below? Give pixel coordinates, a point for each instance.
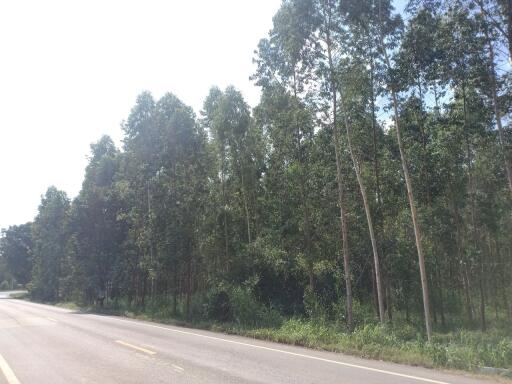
(148, 351)
(8, 372)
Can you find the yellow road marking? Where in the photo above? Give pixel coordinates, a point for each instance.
(7, 371)
(177, 368)
(51, 319)
(149, 352)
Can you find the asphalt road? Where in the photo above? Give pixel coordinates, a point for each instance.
(48, 345)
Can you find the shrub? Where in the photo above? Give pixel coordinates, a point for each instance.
(248, 311)
(218, 306)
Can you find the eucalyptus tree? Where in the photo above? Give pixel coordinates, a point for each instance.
(423, 78)
(235, 116)
(285, 65)
(330, 34)
(211, 124)
(288, 179)
(347, 44)
(469, 41)
(364, 78)
(50, 237)
(460, 67)
(227, 118)
(16, 248)
(179, 186)
(330, 30)
(96, 224)
(388, 26)
(142, 146)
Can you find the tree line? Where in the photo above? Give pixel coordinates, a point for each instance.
(374, 175)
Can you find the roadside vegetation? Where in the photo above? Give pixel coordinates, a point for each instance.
(364, 205)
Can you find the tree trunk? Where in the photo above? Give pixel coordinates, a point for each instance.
(175, 292)
(441, 299)
(467, 290)
(378, 215)
(410, 195)
(246, 208)
(362, 189)
(243, 192)
(474, 233)
(501, 268)
(483, 323)
(304, 196)
(389, 299)
(374, 134)
(339, 177)
(509, 29)
(189, 286)
(224, 208)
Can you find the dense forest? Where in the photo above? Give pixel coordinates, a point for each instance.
(372, 181)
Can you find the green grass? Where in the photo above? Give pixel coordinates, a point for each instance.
(466, 350)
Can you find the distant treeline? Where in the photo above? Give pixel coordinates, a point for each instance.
(374, 173)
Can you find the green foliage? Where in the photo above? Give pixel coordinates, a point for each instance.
(238, 305)
(49, 251)
(16, 246)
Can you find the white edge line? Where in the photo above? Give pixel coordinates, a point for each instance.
(423, 379)
(7, 371)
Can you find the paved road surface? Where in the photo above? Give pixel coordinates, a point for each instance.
(47, 345)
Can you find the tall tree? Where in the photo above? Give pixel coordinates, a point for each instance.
(387, 25)
(284, 65)
(16, 247)
(329, 29)
(50, 238)
(95, 221)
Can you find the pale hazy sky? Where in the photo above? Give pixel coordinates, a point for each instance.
(70, 72)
